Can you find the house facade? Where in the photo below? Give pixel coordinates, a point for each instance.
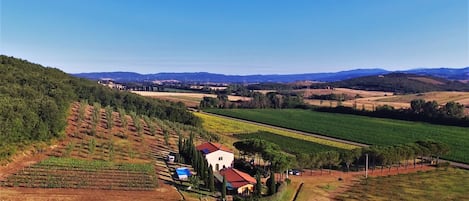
(217, 155)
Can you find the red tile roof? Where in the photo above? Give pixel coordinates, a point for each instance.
(209, 147)
(237, 178)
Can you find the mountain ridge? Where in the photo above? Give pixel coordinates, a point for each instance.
(447, 73)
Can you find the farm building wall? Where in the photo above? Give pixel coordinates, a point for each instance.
(220, 159)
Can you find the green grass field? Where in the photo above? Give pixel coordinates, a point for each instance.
(362, 129)
(440, 184)
(289, 144)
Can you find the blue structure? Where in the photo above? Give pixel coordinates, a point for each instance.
(183, 173)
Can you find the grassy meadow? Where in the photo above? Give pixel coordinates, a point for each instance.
(440, 184)
(362, 129)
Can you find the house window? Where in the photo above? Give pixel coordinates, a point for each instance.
(220, 158)
(217, 167)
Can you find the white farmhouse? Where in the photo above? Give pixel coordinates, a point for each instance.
(217, 155)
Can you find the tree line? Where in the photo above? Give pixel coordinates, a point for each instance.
(269, 152)
(379, 156)
(189, 154)
(451, 113)
(258, 101)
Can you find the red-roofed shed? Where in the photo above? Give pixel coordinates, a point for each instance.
(238, 181)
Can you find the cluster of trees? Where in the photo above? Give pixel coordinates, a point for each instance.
(265, 150)
(239, 90)
(258, 101)
(432, 109)
(34, 103)
(332, 96)
(189, 153)
(451, 113)
(278, 161)
(387, 156)
(272, 86)
(383, 156)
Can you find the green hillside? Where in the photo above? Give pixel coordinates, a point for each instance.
(34, 102)
(399, 83)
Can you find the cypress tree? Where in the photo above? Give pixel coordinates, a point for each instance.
(211, 180)
(258, 185)
(223, 189)
(272, 183)
(184, 148)
(191, 138)
(180, 144)
(201, 165)
(195, 161)
(206, 172)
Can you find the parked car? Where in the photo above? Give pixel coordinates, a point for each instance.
(294, 172)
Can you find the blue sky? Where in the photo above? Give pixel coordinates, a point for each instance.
(236, 37)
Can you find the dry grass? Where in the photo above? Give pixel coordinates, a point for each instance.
(441, 97)
(348, 92)
(326, 186)
(374, 99)
(440, 184)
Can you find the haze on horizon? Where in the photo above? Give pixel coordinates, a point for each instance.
(236, 37)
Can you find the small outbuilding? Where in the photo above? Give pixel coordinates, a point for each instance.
(237, 182)
(170, 158)
(183, 173)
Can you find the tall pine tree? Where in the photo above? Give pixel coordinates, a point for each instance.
(211, 180)
(223, 189)
(258, 189)
(272, 184)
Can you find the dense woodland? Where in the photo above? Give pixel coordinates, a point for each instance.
(34, 103)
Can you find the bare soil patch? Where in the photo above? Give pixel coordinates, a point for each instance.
(164, 192)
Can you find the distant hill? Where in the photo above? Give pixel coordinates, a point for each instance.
(400, 83)
(447, 73)
(221, 78)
